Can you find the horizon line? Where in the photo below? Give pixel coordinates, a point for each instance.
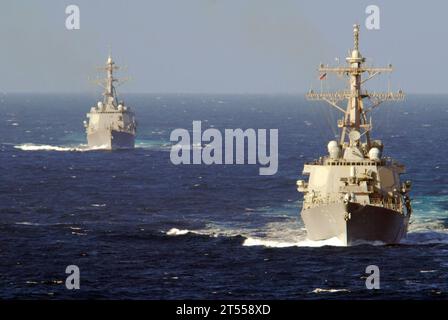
(187, 93)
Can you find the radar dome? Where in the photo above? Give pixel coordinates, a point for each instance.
(332, 144)
(333, 149)
(354, 136)
(374, 154)
(356, 54)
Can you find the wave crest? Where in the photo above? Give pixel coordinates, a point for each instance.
(177, 232)
(320, 290)
(249, 242)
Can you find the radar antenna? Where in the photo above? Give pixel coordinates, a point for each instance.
(355, 114)
(110, 83)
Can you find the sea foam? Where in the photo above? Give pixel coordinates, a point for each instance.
(46, 147)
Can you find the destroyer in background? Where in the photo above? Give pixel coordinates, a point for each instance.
(354, 194)
(111, 124)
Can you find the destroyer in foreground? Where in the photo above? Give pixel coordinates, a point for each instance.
(354, 194)
(111, 124)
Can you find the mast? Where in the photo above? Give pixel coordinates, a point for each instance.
(355, 113)
(109, 93)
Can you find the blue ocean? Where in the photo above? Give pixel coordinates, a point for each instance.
(139, 227)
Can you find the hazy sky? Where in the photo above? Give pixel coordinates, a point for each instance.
(214, 46)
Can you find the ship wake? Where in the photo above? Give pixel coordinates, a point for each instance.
(290, 232)
(46, 147)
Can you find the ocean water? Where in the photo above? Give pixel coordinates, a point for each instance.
(140, 227)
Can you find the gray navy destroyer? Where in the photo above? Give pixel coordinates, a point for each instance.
(110, 124)
(354, 194)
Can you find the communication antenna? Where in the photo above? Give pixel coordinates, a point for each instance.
(355, 113)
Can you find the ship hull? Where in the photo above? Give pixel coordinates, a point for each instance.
(111, 140)
(353, 223)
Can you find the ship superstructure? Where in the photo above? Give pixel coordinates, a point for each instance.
(354, 193)
(111, 124)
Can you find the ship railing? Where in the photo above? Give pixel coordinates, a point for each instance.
(345, 94)
(316, 198)
(342, 162)
(332, 96)
(388, 204)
